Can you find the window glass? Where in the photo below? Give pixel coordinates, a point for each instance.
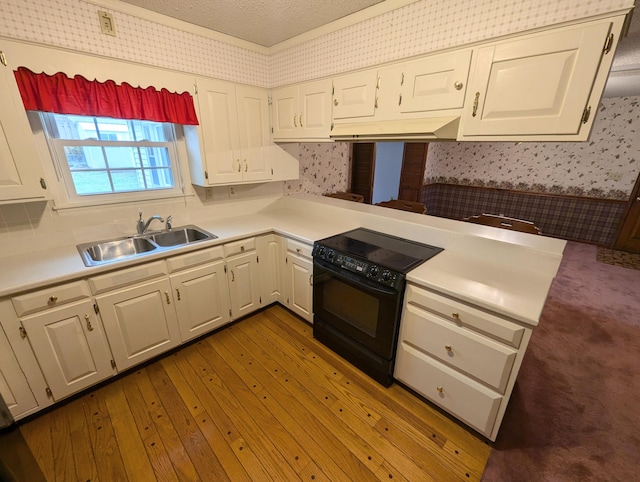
(101, 155)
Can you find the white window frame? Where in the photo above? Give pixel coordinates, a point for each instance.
(63, 173)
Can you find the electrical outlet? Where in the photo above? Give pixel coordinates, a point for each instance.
(614, 176)
(107, 24)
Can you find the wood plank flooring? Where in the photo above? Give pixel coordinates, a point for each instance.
(259, 400)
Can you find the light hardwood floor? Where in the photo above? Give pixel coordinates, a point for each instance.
(259, 400)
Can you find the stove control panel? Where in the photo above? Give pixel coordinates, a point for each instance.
(365, 269)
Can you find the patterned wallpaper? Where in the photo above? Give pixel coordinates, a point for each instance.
(606, 166)
(324, 167)
(420, 27)
(73, 24)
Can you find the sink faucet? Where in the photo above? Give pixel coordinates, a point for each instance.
(168, 225)
(142, 225)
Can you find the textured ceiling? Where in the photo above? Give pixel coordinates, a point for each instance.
(263, 22)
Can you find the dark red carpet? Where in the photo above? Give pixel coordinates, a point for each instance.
(575, 411)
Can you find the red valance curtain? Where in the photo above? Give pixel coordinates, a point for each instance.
(63, 95)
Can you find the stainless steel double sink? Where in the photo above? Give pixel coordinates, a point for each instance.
(128, 247)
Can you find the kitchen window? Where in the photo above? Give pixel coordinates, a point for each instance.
(98, 157)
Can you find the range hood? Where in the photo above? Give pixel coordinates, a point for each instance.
(430, 128)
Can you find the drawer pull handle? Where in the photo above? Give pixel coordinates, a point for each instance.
(53, 300)
(242, 248)
(233, 276)
(311, 280)
(166, 293)
(440, 389)
(178, 294)
(455, 315)
(88, 321)
(448, 348)
(298, 250)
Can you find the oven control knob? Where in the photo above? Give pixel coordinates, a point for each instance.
(331, 254)
(321, 251)
(373, 272)
(386, 275)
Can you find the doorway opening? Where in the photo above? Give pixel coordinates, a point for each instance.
(384, 171)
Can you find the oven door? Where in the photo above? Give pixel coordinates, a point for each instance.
(363, 311)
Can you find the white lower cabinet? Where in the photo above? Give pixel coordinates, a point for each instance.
(243, 277)
(201, 299)
(458, 356)
(299, 279)
(270, 260)
(14, 387)
(70, 346)
(140, 322)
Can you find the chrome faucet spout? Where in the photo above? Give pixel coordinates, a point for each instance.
(143, 226)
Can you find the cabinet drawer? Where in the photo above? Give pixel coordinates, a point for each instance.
(50, 297)
(125, 277)
(193, 259)
(472, 403)
(465, 315)
(301, 249)
(482, 358)
(240, 247)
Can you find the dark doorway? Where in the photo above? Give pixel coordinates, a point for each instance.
(363, 166)
(629, 237)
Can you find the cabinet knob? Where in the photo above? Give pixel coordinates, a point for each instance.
(455, 315)
(298, 250)
(458, 85)
(242, 248)
(448, 348)
(440, 389)
(53, 300)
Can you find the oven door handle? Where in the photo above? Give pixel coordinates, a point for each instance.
(355, 279)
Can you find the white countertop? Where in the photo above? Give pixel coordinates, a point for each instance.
(503, 287)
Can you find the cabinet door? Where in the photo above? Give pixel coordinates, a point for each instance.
(14, 388)
(140, 322)
(437, 82)
(219, 129)
(244, 289)
(270, 249)
(355, 95)
(300, 286)
(315, 109)
(253, 122)
(70, 346)
(285, 112)
(20, 170)
(538, 85)
(202, 299)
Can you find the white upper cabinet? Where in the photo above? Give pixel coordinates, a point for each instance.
(233, 134)
(434, 83)
(302, 111)
(355, 95)
(539, 86)
(21, 174)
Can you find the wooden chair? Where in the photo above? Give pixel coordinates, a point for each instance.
(411, 206)
(349, 196)
(500, 221)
